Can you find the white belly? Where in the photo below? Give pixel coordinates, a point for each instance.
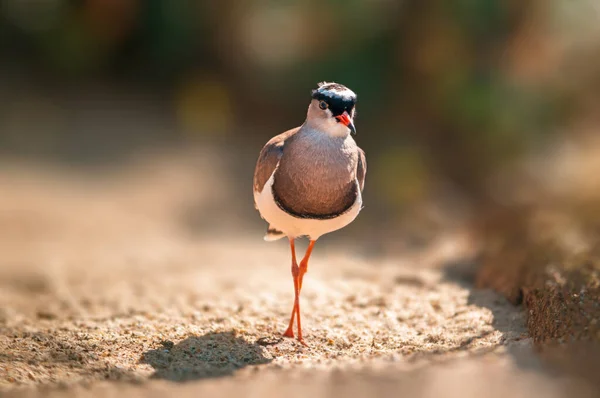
(295, 227)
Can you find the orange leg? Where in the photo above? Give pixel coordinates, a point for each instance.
(304, 263)
(298, 275)
(296, 310)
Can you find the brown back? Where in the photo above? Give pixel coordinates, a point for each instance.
(269, 158)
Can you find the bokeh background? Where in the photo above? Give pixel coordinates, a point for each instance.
(451, 93)
(129, 131)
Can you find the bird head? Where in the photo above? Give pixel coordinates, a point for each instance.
(332, 109)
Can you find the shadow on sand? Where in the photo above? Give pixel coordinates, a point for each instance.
(211, 355)
(513, 328)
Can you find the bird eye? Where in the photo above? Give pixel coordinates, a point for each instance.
(323, 105)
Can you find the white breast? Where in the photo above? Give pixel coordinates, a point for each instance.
(295, 227)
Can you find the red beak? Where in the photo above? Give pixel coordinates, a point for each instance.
(344, 118)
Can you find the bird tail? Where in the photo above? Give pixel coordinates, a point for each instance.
(273, 234)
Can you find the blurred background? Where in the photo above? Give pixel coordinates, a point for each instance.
(453, 96)
(129, 132)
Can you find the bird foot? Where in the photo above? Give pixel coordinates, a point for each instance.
(288, 333)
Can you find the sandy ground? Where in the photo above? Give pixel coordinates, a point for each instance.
(104, 293)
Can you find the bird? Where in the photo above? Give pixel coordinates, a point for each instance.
(308, 181)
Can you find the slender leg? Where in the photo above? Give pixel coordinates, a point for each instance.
(304, 263)
(297, 274)
(295, 311)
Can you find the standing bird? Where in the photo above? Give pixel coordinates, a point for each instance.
(308, 180)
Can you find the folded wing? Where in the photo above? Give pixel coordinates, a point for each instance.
(361, 169)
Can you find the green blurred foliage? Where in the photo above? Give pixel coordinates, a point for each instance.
(448, 90)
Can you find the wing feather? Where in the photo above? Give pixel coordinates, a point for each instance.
(361, 169)
(269, 158)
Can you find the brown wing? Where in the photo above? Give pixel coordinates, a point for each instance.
(361, 169)
(269, 158)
